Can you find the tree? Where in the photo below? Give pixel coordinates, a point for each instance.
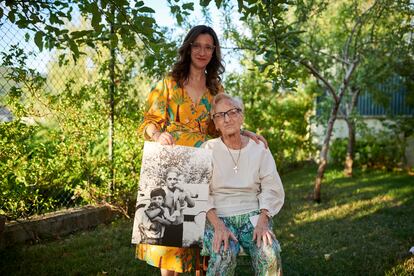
(328, 40)
(385, 43)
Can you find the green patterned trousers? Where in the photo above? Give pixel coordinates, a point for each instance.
(266, 260)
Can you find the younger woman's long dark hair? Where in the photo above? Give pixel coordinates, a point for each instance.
(214, 69)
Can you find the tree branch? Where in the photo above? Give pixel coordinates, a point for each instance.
(328, 55)
(319, 76)
(346, 79)
(356, 29)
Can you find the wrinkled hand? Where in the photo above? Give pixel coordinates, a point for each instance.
(262, 233)
(164, 138)
(255, 137)
(222, 234)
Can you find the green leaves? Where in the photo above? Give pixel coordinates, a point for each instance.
(146, 10)
(204, 3)
(55, 19)
(38, 39)
(11, 16)
(73, 48)
(180, 12)
(188, 6)
(47, 20)
(96, 19)
(273, 40)
(61, 160)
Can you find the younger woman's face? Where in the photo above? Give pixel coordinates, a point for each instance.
(202, 50)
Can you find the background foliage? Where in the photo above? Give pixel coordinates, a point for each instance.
(54, 153)
(283, 118)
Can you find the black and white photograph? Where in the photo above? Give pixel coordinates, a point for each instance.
(172, 195)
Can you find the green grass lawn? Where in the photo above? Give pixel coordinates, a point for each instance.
(364, 226)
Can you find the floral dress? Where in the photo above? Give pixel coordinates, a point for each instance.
(171, 109)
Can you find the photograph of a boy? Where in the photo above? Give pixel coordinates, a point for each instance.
(154, 218)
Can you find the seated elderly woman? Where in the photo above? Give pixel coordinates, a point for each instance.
(246, 192)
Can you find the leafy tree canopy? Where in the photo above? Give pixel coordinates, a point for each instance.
(111, 22)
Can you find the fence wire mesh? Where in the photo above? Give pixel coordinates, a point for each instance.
(54, 125)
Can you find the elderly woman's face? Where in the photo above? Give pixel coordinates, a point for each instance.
(227, 118)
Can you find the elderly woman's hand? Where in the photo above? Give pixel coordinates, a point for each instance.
(255, 137)
(262, 233)
(222, 234)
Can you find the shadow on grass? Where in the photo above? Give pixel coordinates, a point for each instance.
(364, 226)
(105, 250)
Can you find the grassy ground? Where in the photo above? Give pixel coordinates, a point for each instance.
(364, 226)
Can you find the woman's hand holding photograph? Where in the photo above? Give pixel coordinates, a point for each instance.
(164, 138)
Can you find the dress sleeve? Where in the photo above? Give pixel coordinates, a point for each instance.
(272, 195)
(155, 108)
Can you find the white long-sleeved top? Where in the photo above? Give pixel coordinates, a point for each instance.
(256, 185)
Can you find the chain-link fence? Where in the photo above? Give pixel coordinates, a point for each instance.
(58, 146)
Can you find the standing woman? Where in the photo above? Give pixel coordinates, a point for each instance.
(178, 112)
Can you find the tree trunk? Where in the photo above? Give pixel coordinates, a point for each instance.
(337, 101)
(323, 163)
(350, 152)
(111, 116)
(350, 120)
(318, 182)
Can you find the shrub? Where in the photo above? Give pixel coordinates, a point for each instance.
(374, 149)
(61, 158)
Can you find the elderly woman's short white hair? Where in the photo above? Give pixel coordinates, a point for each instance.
(235, 101)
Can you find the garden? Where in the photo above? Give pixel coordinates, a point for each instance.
(329, 84)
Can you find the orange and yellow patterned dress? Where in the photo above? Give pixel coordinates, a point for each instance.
(171, 109)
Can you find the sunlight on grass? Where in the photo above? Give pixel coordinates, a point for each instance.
(404, 269)
(363, 225)
(353, 210)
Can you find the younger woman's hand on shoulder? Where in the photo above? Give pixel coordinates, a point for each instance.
(255, 137)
